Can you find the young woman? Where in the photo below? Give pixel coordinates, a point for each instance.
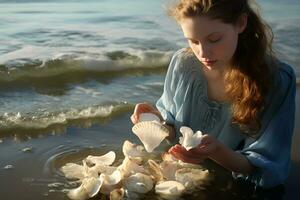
(229, 85)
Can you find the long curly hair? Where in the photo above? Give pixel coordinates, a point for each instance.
(247, 80)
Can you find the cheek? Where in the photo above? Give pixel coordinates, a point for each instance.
(194, 49)
(228, 48)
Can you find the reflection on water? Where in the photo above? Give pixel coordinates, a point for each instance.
(37, 171)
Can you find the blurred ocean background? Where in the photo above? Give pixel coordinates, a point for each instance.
(62, 60)
(71, 72)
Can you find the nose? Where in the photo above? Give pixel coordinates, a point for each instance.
(204, 51)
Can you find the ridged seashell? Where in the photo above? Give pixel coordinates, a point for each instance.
(169, 189)
(110, 181)
(106, 159)
(143, 117)
(105, 169)
(139, 183)
(192, 178)
(117, 194)
(189, 165)
(90, 171)
(163, 171)
(132, 150)
(73, 171)
(88, 188)
(168, 157)
(150, 133)
(189, 140)
(168, 169)
(156, 171)
(130, 166)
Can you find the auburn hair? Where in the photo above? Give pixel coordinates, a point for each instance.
(247, 80)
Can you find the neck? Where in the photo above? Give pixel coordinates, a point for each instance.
(214, 74)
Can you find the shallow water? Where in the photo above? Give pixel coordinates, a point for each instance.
(37, 170)
(71, 72)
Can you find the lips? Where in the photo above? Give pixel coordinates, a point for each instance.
(209, 62)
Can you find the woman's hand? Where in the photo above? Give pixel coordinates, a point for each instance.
(144, 108)
(213, 149)
(207, 148)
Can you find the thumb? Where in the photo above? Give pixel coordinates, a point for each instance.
(134, 119)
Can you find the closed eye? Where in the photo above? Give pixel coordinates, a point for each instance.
(214, 40)
(194, 41)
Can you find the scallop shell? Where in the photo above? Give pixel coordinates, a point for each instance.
(169, 189)
(139, 183)
(117, 194)
(192, 178)
(155, 170)
(189, 140)
(106, 159)
(163, 171)
(90, 171)
(73, 171)
(168, 169)
(132, 150)
(105, 169)
(111, 179)
(143, 117)
(168, 157)
(88, 188)
(129, 167)
(150, 133)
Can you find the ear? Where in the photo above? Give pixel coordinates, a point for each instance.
(242, 22)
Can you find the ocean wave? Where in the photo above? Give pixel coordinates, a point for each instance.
(31, 123)
(25, 69)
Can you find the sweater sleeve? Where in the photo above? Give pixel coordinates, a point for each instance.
(270, 153)
(166, 103)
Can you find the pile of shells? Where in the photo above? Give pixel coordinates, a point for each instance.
(137, 174)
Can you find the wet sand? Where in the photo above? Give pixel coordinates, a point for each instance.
(35, 173)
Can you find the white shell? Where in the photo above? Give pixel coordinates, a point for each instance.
(106, 159)
(192, 178)
(163, 171)
(168, 157)
(117, 194)
(111, 179)
(88, 188)
(143, 117)
(189, 140)
(168, 169)
(103, 169)
(150, 133)
(73, 171)
(169, 189)
(132, 150)
(130, 166)
(139, 183)
(156, 171)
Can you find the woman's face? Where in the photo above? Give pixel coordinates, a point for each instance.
(212, 41)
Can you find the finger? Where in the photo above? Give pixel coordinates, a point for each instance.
(142, 108)
(179, 148)
(133, 119)
(205, 139)
(186, 159)
(205, 149)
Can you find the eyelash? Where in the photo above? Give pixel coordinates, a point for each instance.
(215, 41)
(194, 42)
(211, 41)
